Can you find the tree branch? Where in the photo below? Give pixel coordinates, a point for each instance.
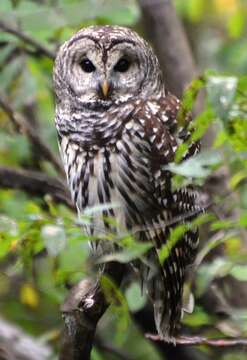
(36, 183)
(24, 127)
(16, 345)
(27, 39)
(82, 310)
(198, 340)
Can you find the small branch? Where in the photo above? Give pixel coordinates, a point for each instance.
(82, 310)
(23, 126)
(35, 183)
(16, 345)
(199, 340)
(18, 50)
(27, 39)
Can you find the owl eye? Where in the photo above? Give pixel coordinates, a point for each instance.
(87, 65)
(122, 65)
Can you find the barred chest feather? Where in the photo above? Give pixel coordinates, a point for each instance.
(117, 173)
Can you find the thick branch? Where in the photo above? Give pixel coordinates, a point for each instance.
(16, 345)
(27, 39)
(82, 310)
(35, 183)
(165, 31)
(23, 126)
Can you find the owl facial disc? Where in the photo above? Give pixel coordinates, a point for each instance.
(103, 66)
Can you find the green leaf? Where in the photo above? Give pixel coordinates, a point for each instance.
(5, 6)
(119, 304)
(135, 298)
(195, 9)
(41, 19)
(175, 235)
(239, 272)
(17, 147)
(218, 268)
(237, 178)
(221, 92)
(8, 225)
(36, 17)
(127, 255)
(189, 98)
(243, 219)
(54, 238)
(5, 52)
(72, 261)
(223, 224)
(220, 139)
(198, 318)
(197, 166)
(198, 126)
(96, 355)
(10, 73)
(236, 24)
(201, 124)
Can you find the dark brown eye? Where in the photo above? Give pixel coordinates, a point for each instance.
(122, 65)
(87, 65)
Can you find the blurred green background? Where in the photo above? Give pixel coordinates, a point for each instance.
(43, 251)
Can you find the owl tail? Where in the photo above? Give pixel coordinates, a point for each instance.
(165, 288)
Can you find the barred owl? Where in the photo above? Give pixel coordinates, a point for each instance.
(117, 130)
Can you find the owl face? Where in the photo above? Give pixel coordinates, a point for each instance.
(104, 66)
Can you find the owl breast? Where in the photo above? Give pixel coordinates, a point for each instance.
(116, 174)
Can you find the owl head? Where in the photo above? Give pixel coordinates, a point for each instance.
(105, 65)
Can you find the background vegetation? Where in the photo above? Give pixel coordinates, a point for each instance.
(42, 248)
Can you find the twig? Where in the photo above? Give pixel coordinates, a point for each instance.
(18, 50)
(199, 340)
(27, 39)
(23, 126)
(82, 310)
(36, 183)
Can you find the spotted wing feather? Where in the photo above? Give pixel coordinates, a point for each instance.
(165, 283)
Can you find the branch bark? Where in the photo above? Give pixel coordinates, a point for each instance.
(82, 310)
(36, 183)
(23, 126)
(27, 39)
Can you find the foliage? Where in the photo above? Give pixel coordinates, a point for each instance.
(43, 249)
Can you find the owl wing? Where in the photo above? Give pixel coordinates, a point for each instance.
(165, 285)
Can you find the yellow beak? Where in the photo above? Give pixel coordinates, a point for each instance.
(105, 88)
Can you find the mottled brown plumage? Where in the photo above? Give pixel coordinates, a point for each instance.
(117, 130)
